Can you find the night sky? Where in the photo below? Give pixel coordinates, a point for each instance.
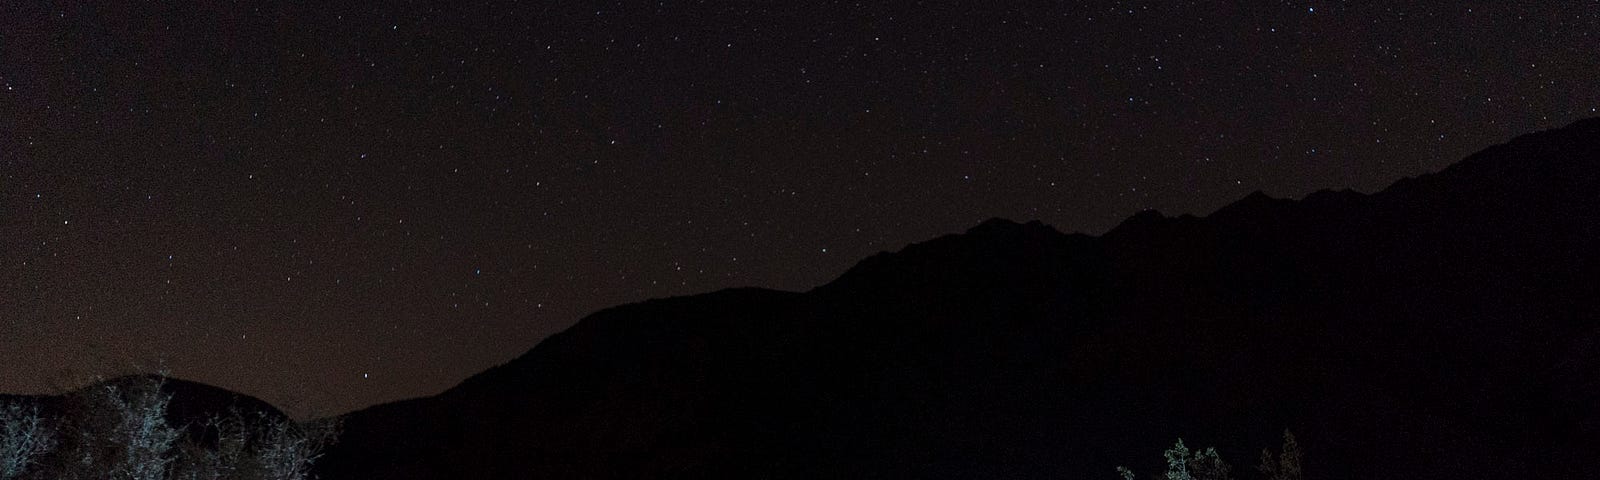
(329, 208)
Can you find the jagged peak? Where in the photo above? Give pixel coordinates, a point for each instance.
(1139, 221)
(1491, 164)
(1537, 154)
(994, 223)
(1591, 123)
(986, 238)
(1255, 203)
(1006, 225)
(1001, 313)
(1326, 194)
(1148, 214)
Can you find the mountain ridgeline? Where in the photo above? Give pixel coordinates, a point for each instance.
(1445, 327)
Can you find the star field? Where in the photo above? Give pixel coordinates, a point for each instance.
(333, 207)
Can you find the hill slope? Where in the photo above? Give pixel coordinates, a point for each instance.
(1448, 326)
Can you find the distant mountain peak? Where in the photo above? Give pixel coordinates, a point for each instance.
(1005, 230)
(1256, 196)
(1452, 307)
(1255, 204)
(1144, 220)
(999, 224)
(995, 223)
(1534, 153)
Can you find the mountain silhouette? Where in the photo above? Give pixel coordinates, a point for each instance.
(1445, 327)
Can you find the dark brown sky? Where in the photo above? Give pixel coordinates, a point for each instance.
(329, 208)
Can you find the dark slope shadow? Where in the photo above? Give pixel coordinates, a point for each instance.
(1445, 327)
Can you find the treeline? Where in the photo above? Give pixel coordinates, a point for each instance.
(121, 430)
(1184, 464)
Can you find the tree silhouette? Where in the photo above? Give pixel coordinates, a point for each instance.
(1184, 464)
(1286, 466)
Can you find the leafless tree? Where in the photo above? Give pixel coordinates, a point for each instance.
(221, 454)
(286, 449)
(1286, 465)
(1184, 464)
(119, 431)
(24, 438)
(254, 447)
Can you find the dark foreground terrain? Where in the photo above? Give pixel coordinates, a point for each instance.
(1445, 327)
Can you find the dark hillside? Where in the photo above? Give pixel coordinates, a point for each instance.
(1446, 327)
